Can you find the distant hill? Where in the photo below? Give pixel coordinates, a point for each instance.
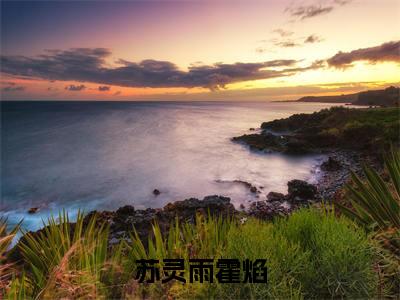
(387, 97)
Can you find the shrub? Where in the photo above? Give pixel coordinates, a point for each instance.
(310, 254)
(340, 256)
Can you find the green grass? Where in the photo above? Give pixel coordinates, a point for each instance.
(311, 254)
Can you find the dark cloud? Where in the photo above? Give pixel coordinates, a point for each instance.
(104, 88)
(88, 65)
(75, 88)
(389, 51)
(13, 88)
(313, 10)
(313, 39)
(309, 11)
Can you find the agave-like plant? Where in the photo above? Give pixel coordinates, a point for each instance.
(376, 203)
(6, 269)
(67, 259)
(376, 206)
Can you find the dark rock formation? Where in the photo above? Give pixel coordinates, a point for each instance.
(156, 192)
(274, 196)
(33, 210)
(268, 210)
(246, 184)
(299, 190)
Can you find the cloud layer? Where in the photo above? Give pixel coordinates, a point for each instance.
(389, 51)
(303, 12)
(89, 65)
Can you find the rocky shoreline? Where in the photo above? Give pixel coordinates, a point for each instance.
(123, 220)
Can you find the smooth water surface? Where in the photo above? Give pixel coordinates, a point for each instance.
(102, 155)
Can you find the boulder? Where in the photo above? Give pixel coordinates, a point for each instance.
(274, 196)
(125, 210)
(301, 190)
(268, 210)
(33, 210)
(188, 208)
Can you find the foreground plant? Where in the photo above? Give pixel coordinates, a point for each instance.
(310, 254)
(65, 259)
(376, 206)
(7, 270)
(376, 203)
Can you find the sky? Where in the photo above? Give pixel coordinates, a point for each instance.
(197, 50)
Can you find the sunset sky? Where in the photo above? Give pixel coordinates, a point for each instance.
(197, 50)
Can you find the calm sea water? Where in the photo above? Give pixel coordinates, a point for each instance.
(82, 155)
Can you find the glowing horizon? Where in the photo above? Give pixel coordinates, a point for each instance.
(197, 50)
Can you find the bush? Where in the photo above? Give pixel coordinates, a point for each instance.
(310, 254)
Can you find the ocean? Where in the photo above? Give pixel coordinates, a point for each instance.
(103, 155)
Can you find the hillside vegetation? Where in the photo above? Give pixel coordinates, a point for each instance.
(369, 129)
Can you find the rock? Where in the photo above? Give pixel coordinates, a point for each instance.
(252, 129)
(274, 196)
(33, 210)
(253, 189)
(125, 210)
(156, 192)
(299, 190)
(268, 210)
(187, 208)
(247, 184)
(331, 165)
